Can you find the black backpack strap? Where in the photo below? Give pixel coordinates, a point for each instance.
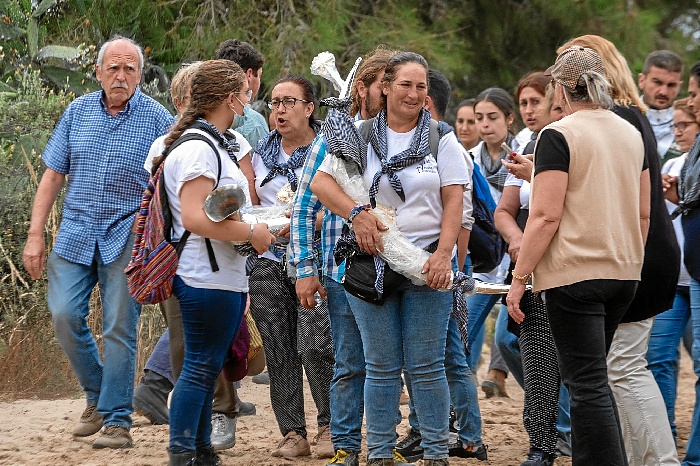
(434, 138)
(167, 215)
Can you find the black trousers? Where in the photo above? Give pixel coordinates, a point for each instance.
(583, 318)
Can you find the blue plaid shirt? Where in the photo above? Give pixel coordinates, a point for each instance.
(306, 207)
(103, 156)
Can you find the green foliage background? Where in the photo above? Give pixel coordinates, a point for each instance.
(475, 43)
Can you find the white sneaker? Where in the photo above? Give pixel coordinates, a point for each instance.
(223, 431)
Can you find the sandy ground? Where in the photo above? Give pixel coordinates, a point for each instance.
(37, 432)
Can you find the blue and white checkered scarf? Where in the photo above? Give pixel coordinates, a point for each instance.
(417, 151)
(226, 140)
(269, 149)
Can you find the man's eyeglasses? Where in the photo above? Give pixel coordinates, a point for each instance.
(681, 125)
(287, 102)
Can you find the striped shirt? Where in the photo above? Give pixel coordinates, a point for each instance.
(103, 156)
(304, 212)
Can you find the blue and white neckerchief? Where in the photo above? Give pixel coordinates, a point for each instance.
(227, 141)
(269, 149)
(417, 151)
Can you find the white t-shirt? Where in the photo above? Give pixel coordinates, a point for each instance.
(467, 207)
(419, 217)
(524, 186)
(497, 275)
(673, 167)
(159, 144)
(186, 162)
(268, 193)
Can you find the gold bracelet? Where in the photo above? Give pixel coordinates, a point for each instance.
(250, 235)
(523, 278)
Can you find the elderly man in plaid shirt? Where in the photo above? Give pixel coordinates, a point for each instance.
(100, 145)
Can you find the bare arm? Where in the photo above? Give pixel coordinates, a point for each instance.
(437, 268)
(545, 214)
(365, 225)
(462, 247)
(644, 203)
(192, 197)
(504, 217)
(246, 164)
(34, 255)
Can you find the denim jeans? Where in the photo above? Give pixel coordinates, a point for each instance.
(663, 354)
(210, 320)
(508, 345)
(159, 360)
(107, 382)
(463, 394)
(583, 318)
(646, 432)
(692, 448)
(479, 306)
(347, 386)
(408, 331)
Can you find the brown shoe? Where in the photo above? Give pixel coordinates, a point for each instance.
(90, 422)
(113, 437)
(324, 446)
(292, 445)
(495, 384)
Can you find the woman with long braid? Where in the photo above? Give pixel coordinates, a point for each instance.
(212, 302)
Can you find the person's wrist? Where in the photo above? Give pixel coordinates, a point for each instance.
(250, 234)
(357, 210)
(522, 278)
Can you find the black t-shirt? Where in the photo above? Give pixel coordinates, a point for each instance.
(553, 152)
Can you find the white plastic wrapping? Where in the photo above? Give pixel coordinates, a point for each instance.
(402, 256)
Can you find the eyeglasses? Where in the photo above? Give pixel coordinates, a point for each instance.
(681, 125)
(287, 102)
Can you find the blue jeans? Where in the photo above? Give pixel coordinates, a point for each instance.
(408, 331)
(463, 394)
(663, 354)
(508, 345)
(108, 382)
(692, 449)
(347, 386)
(210, 320)
(479, 306)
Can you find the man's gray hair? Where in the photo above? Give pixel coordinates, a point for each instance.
(115, 38)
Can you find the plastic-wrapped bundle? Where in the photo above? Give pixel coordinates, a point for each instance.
(402, 256)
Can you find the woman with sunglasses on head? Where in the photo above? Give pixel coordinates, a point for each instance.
(295, 340)
(211, 302)
(647, 434)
